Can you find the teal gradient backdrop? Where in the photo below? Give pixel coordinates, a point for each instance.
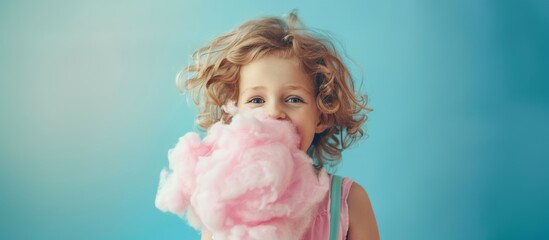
(458, 144)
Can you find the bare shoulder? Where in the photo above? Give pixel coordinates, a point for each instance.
(362, 221)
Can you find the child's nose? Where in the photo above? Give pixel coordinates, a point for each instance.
(276, 111)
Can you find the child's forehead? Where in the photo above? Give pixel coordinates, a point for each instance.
(289, 59)
(275, 73)
(274, 65)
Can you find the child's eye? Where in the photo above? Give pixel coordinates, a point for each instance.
(295, 100)
(256, 100)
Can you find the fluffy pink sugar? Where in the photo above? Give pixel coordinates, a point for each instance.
(263, 182)
(258, 167)
(184, 158)
(245, 180)
(210, 173)
(273, 130)
(210, 214)
(256, 127)
(177, 185)
(306, 190)
(168, 197)
(232, 185)
(193, 219)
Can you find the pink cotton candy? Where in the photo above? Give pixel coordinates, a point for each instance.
(244, 180)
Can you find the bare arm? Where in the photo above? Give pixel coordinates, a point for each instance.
(362, 221)
(206, 235)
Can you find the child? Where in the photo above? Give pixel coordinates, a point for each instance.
(295, 76)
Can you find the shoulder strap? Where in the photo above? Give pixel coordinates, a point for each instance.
(335, 203)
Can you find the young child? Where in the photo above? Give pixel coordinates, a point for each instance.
(293, 75)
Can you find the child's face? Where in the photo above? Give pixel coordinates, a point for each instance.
(284, 91)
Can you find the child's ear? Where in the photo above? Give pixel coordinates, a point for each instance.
(322, 123)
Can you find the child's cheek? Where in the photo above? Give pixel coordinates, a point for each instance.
(298, 130)
(302, 143)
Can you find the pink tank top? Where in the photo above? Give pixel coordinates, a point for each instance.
(320, 225)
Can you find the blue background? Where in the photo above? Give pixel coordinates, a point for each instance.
(458, 144)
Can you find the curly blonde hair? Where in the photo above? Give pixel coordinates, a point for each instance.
(213, 79)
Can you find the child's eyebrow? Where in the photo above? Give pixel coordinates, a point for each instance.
(253, 88)
(297, 87)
